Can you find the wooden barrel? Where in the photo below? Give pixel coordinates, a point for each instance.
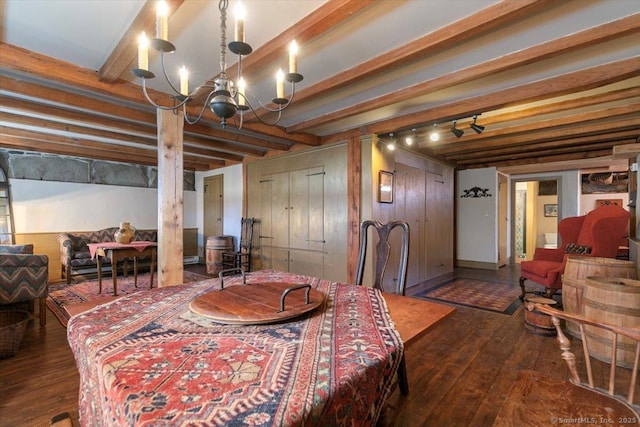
(616, 301)
(216, 245)
(577, 270)
(539, 323)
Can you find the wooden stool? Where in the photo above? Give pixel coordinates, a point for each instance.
(539, 323)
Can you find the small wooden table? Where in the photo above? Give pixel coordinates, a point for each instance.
(119, 251)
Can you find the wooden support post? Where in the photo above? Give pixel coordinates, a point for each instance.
(354, 178)
(170, 198)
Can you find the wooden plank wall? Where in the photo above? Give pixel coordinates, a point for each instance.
(47, 244)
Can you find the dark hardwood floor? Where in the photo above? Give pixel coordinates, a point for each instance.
(459, 373)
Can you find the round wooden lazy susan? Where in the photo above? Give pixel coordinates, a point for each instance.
(257, 303)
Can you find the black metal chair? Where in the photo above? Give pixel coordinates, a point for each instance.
(241, 258)
(383, 253)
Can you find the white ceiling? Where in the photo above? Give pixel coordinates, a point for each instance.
(84, 33)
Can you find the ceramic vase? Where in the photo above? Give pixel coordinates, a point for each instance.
(125, 233)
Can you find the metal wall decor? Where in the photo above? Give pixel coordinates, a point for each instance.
(476, 192)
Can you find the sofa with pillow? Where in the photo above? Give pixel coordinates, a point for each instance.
(74, 252)
(596, 234)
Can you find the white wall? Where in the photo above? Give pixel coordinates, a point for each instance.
(232, 203)
(588, 201)
(477, 232)
(51, 206)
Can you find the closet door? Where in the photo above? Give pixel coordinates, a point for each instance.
(265, 233)
(306, 220)
(439, 226)
(280, 210)
(316, 221)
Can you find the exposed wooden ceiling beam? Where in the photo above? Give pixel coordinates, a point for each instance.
(537, 145)
(100, 108)
(533, 160)
(476, 141)
(563, 84)
(83, 131)
(527, 149)
(125, 51)
(626, 151)
(316, 23)
(573, 42)
(560, 133)
(42, 142)
(25, 62)
(550, 108)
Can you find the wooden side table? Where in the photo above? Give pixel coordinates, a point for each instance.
(117, 252)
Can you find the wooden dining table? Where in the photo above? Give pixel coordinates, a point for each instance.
(147, 358)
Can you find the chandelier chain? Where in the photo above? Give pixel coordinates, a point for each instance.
(222, 6)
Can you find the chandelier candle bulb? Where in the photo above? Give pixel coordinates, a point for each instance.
(280, 84)
(239, 22)
(162, 21)
(293, 57)
(184, 81)
(143, 52)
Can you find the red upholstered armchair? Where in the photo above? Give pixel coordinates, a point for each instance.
(599, 232)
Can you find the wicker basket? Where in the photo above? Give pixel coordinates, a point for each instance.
(12, 326)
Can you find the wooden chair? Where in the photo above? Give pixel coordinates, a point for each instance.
(538, 399)
(383, 253)
(241, 258)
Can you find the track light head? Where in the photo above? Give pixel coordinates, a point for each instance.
(476, 127)
(434, 135)
(391, 144)
(457, 132)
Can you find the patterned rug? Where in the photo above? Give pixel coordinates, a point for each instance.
(66, 300)
(491, 296)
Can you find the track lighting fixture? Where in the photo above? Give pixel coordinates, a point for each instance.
(434, 135)
(475, 126)
(409, 139)
(457, 132)
(391, 145)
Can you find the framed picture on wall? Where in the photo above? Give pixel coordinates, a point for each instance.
(385, 187)
(551, 210)
(547, 188)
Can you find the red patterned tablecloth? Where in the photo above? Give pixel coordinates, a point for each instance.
(139, 245)
(146, 359)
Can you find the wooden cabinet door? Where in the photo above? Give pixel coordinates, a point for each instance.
(306, 262)
(439, 226)
(280, 210)
(298, 209)
(213, 205)
(316, 220)
(265, 229)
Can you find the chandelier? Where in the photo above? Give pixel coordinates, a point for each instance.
(226, 97)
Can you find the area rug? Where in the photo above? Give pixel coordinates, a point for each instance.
(66, 300)
(492, 296)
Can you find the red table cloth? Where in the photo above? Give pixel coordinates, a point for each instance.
(146, 359)
(139, 245)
